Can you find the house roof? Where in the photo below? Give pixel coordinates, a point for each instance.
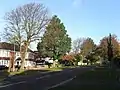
(4, 58)
(9, 46)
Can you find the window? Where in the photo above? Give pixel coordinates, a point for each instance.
(7, 54)
(0, 53)
(3, 53)
(2, 63)
(5, 62)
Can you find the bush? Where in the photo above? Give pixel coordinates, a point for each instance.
(116, 61)
(78, 57)
(85, 61)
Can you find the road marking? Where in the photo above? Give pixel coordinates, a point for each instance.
(50, 75)
(38, 79)
(46, 72)
(39, 72)
(70, 70)
(63, 72)
(23, 82)
(61, 83)
(43, 77)
(12, 84)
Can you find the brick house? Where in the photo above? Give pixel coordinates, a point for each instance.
(7, 48)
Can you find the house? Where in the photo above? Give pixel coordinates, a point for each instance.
(7, 48)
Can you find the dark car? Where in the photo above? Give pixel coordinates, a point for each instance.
(3, 67)
(40, 62)
(66, 63)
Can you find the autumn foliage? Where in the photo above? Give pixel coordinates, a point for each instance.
(87, 46)
(68, 57)
(103, 46)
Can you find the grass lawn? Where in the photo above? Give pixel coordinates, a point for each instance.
(54, 69)
(99, 79)
(30, 72)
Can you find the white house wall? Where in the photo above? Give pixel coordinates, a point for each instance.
(30, 55)
(6, 53)
(4, 62)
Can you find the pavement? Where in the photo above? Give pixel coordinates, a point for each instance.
(42, 81)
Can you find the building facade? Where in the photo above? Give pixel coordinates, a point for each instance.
(7, 48)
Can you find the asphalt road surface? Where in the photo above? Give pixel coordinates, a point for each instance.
(42, 81)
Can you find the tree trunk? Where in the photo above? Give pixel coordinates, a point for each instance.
(10, 65)
(13, 66)
(54, 63)
(22, 64)
(11, 62)
(23, 52)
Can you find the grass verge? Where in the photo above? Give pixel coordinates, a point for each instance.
(54, 69)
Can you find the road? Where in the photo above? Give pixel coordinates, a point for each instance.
(42, 81)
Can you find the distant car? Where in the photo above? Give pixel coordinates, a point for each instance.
(17, 66)
(40, 62)
(66, 63)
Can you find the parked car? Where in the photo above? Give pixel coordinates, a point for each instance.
(66, 63)
(40, 62)
(3, 67)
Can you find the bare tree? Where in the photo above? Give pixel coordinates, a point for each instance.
(25, 25)
(77, 45)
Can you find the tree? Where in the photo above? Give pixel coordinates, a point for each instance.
(87, 46)
(55, 41)
(11, 62)
(77, 45)
(116, 61)
(68, 57)
(104, 45)
(92, 57)
(25, 25)
(78, 58)
(110, 48)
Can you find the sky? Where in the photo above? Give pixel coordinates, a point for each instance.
(82, 18)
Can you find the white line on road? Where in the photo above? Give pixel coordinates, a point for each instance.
(35, 78)
(40, 72)
(43, 77)
(46, 72)
(61, 83)
(12, 84)
(22, 82)
(50, 75)
(70, 70)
